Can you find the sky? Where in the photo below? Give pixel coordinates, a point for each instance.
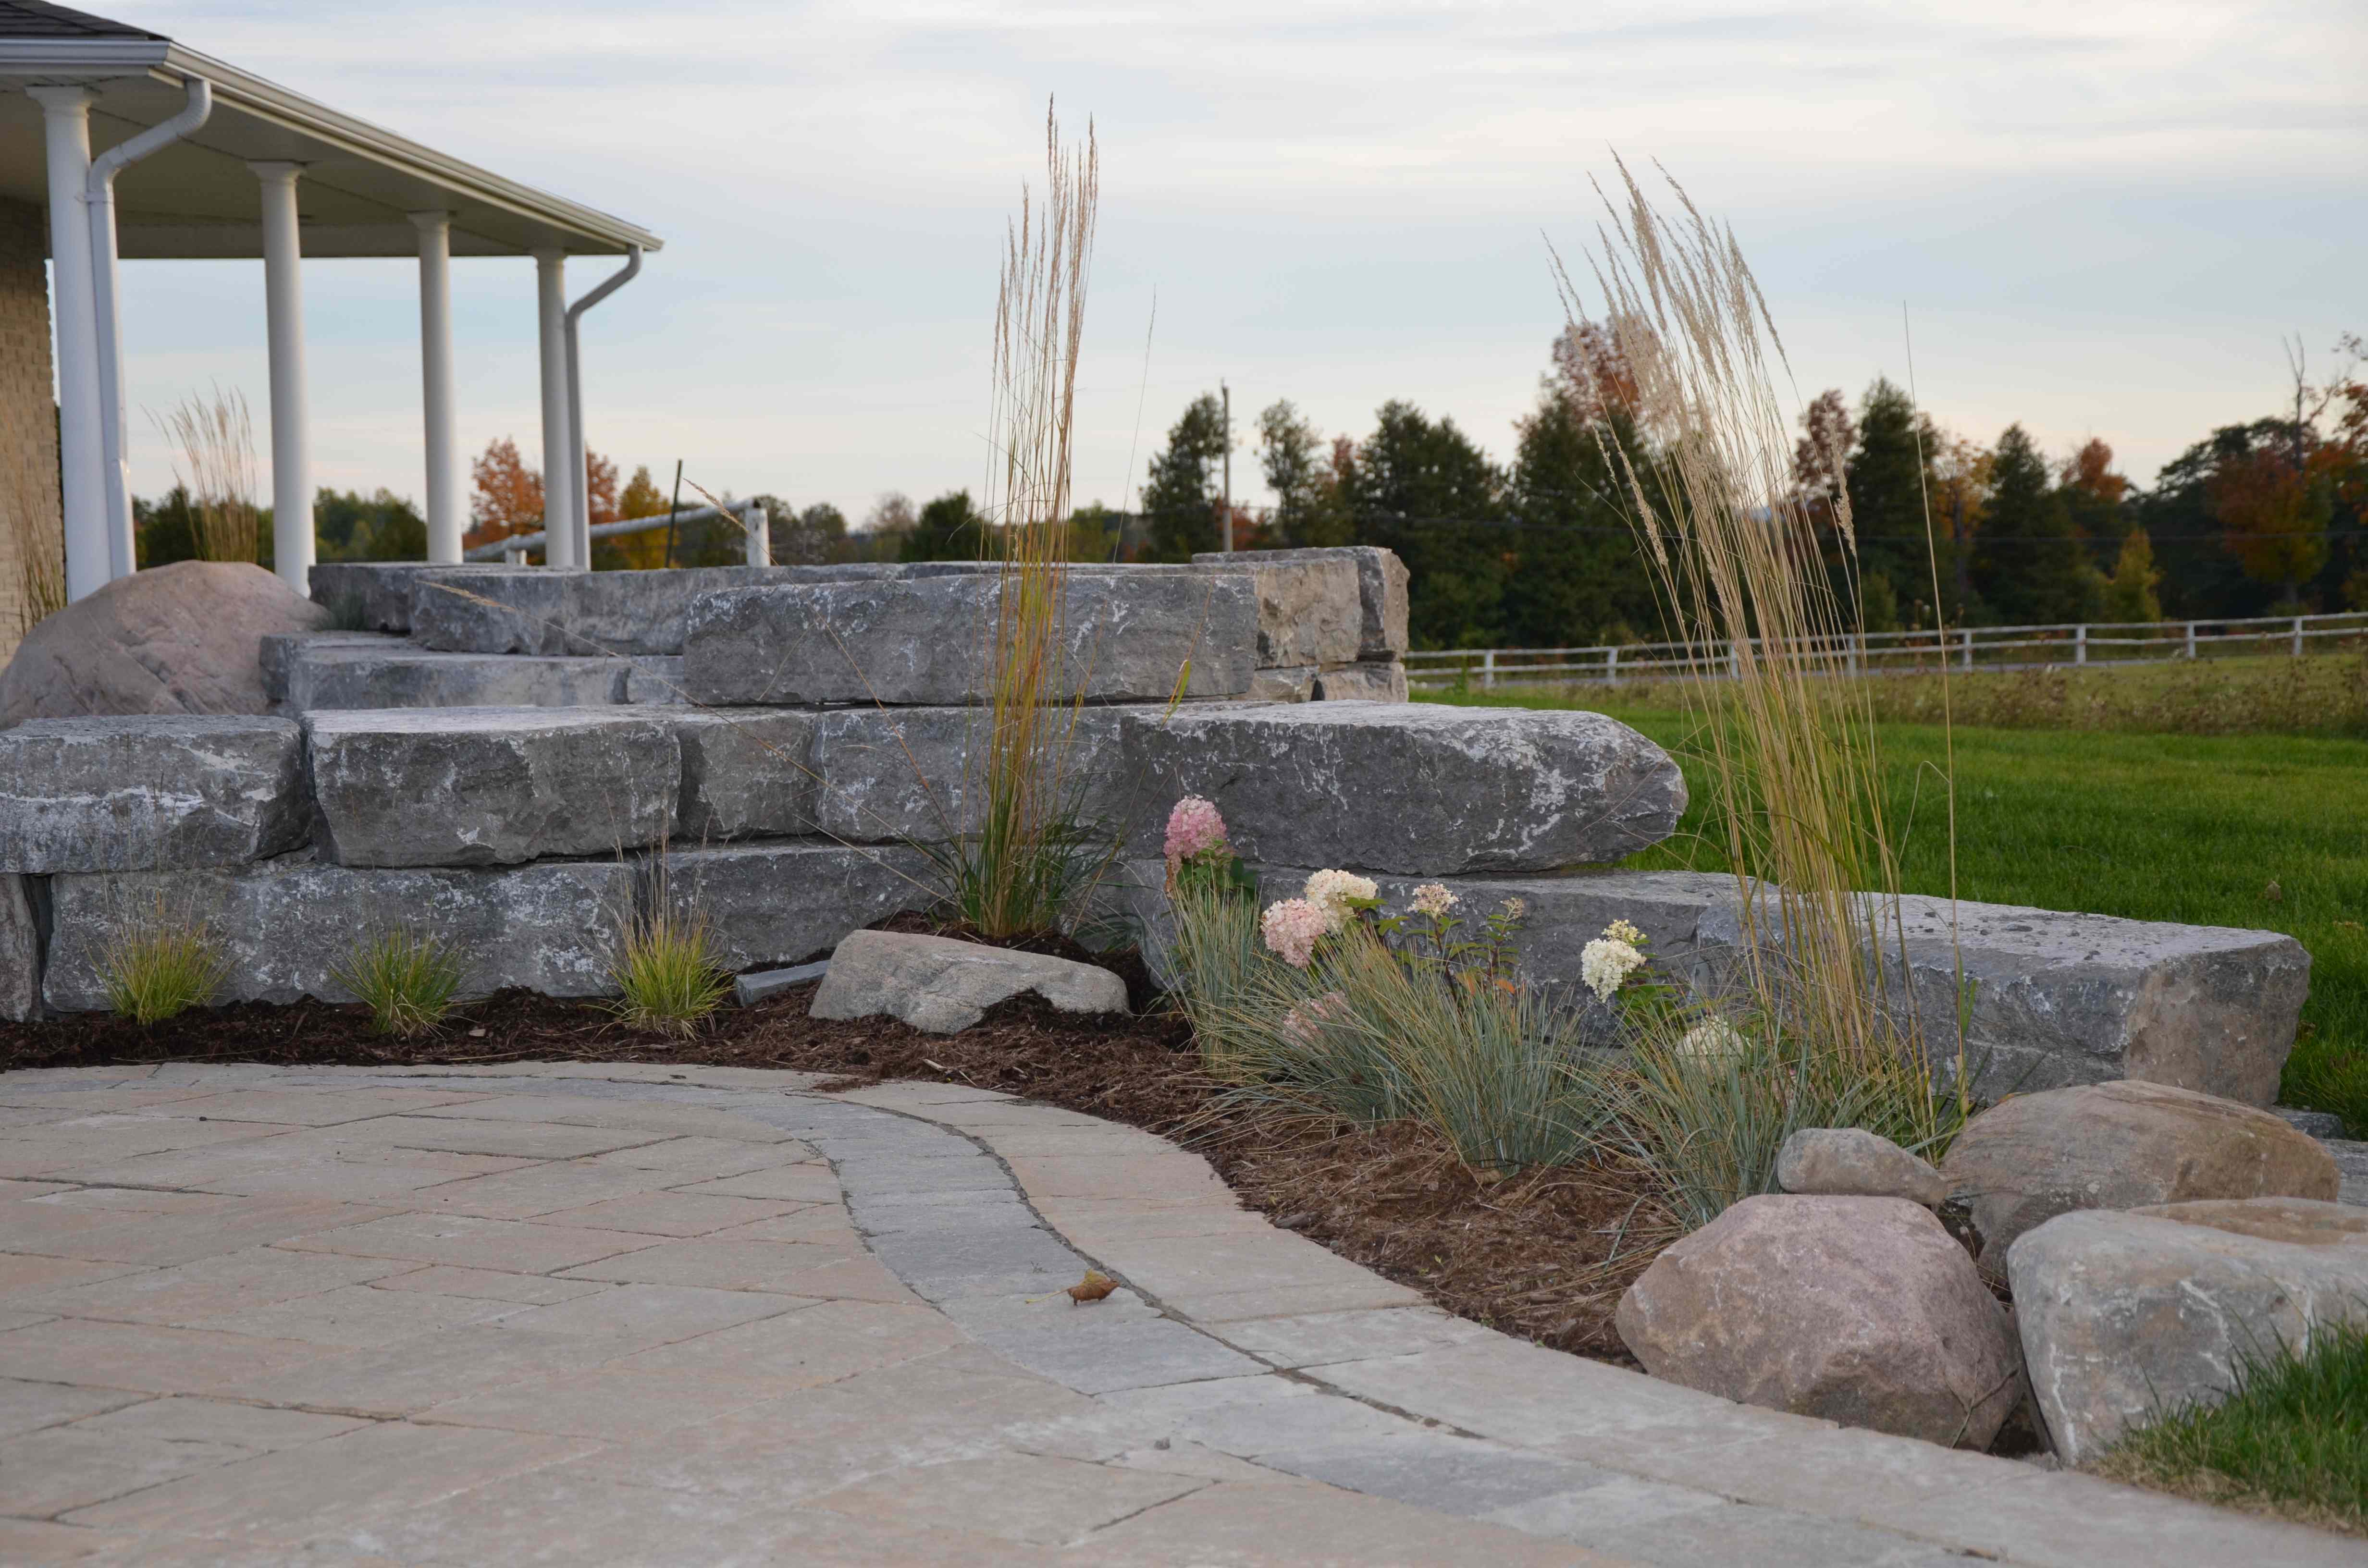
(2100, 219)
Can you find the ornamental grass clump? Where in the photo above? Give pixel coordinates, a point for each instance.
(1748, 572)
(158, 965)
(408, 981)
(668, 973)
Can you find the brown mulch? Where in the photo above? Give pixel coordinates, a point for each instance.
(1544, 1255)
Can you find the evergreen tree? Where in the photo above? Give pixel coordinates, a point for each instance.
(1577, 577)
(1181, 491)
(1890, 482)
(2129, 593)
(1309, 508)
(1424, 490)
(2027, 564)
(949, 529)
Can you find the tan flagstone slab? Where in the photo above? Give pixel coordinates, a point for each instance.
(1230, 1262)
(820, 1342)
(334, 1486)
(532, 1190)
(304, 1165)
(359, 1317)
(146, 1357)
(733, 1265)
(158, 1239)
(704, 1122)
(40, 1076)
(62, 1468)
(185, 1418)
(33, 1543)
(672, 1213)
(609, 1403)
(1019, 1497)
(63, 1149)
(310, 1108)
(1300, 1525)
(639, 1317)
(802, 1183)
(409, 1376)
(470, 1243)
(697, 1157)
(22, 1273)
(129, 1199)
(1316, 1339)
(471, 1135)
(28, 1406)
(11, 1191)
(487, 1284)
(96, 1102)
(25, 1116)
(805, 1223)
(233, 1283)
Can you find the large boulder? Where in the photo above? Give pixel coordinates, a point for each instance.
(2122, 1145)
(150, 792)
(179, 638)
(2125, 1316)
(1858, 1310)
(943, 986)
(1412, 788)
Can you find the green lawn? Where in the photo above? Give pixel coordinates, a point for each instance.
(2151, 826)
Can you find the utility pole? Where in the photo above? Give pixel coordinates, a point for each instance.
(1228, 394)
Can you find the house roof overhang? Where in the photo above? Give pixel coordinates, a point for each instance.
(197, 198)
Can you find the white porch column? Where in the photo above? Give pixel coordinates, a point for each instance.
(291, 455)
(446, 520)
(81, 456)
(559, 486)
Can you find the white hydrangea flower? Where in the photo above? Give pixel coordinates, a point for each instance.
(1715, 1038)
(1622, 931)
(1605, 965)
(1433, 901)
(1330, 891)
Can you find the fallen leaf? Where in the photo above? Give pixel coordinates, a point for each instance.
(2273, 893)
(1092, 1288)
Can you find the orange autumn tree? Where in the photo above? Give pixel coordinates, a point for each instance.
(506, 497)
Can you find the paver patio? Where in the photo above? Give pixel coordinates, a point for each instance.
(622, 1314)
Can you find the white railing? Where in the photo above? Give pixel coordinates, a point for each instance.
(1893, 653)
(749, 515)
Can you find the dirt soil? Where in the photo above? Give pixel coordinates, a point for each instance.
(1544, 1256)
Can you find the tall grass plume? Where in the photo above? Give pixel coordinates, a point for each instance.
(160, 964)
(214, 460)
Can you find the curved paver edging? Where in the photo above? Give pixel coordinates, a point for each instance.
(1237, 1355)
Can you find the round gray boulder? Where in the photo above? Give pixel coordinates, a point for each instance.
(943, 986)
(179, 638)
(1858, 1310)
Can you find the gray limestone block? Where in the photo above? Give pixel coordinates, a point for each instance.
(491, 786)
(277, 651)
(20, 951)
(787, 901)
(1412, 788)
(1309, 610)
(150, 791)
(746, 773)
(919, 774)
(375, 594)
(534, 610)
(283, 928)
(751, 989)
(1368, 680)
(2061, 999)
(942, 986)
(345, 676)
(654, 681)
(1128, 636)
(1290, 683)
(1382, 581)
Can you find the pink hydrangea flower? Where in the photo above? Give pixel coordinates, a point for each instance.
(1291, 927)
(1193, 827)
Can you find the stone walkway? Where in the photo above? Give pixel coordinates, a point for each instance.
(621, 1314)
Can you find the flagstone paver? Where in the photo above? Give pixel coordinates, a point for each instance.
(590, 1312)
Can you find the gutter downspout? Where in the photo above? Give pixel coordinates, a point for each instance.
(579, 480)
(99, 193)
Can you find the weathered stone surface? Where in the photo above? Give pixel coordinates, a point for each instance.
(943, 986)
(1858, 1310)
(375, 594)
(279, 649)
(534, 610)
(1291, 682)
(1411, 788)
(491, 786)
(2320, 1124)
(177, 639)
(348, 678)
(150, 792)
(1850, 1162)
(286, 926)
(784, 902)
(2122, 1145)
(2126, 1315)
(1380, 589)
(1309, 612)
(748, 773)
(918, 775)
(2062, 999)
(1128, 637)
(654, 681)
(20, 952)
(1372, 680)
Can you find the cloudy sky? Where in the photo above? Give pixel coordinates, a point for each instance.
(2100, 217)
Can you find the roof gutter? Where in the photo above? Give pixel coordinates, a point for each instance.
(99, 196)
(579, 480)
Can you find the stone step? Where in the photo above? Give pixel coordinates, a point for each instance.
(398, 673)
(534, 609)
(148, 791)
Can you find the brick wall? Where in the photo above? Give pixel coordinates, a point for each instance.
(32, 538)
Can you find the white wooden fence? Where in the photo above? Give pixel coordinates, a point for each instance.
(1897, 652)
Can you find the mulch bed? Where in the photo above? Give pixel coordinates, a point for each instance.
(1526, 1255)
